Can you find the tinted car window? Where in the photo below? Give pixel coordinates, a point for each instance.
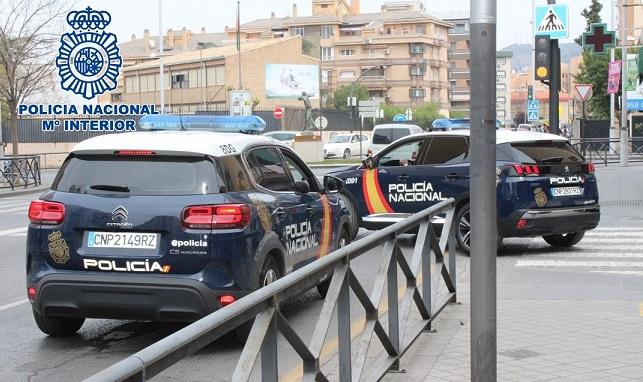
(447, 150)
(137, 175)
(389, 135)
(268, 169)
(233, 173)
(544, 152)
(403, 155)
(298, 172)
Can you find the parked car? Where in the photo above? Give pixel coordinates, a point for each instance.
(545, 187)
(388, 133)
(173, 225)
(286, 137)
(345, 146)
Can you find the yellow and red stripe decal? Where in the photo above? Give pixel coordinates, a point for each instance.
(325, 240)
(373, 196)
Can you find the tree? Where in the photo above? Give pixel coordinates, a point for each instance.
(340, 98)
(391, 111)
(592, 15)
(593, 69)
(520, 118)
(28, 37)
(425, 115)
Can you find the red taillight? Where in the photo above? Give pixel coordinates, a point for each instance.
(134, 152)
(226, 300)
(522, 223)
(526, 169)
(31, 293)
(589, 168)
(216, 217)
(44, 212)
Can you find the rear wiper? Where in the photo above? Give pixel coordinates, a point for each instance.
(552, 159)
(109, 187)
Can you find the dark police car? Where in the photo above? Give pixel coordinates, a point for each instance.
(544, 187)
(172, 225)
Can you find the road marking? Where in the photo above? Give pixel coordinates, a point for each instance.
(591, 255)
(13, 231)
(618, 229)
(16, 209)
(13, 304)
(573, 263)
(614, 234)
(24, 234)
(627, 273)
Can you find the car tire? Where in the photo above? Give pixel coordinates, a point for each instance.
(344, 240)
(347, 154)
(58, 326)
(352, 215)
(270, 272)
(463, 230)
(564, 240)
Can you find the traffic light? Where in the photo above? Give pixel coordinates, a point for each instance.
(543, 58)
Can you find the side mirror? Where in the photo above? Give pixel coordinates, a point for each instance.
(302, 187)
(369, 163)
(332, 185)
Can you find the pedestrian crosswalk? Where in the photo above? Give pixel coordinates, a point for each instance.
(610, 250)
(15, 206)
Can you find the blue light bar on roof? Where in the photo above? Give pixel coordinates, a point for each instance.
(450, 124)
(247, 124)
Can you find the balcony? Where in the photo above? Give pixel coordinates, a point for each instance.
(459, 74)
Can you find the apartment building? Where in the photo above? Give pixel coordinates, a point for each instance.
(460, 65)
(399, 54)
(503, 86)
(200, 79)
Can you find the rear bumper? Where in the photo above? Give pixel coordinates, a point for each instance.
(130, 297)
(552, 221)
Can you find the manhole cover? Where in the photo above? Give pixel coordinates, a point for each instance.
(520, 353)
(622, 203)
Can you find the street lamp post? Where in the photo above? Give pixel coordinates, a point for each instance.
(352, 87)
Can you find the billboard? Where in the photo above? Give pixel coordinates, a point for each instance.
(289, 81)
(633, 87)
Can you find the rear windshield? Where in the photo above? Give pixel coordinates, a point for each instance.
(137, 175)
(543, 152)
(389, 135)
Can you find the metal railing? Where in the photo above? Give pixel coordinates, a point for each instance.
(606, 150)
(20, 171)
(421, 285)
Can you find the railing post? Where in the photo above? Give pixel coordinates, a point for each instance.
(452, 252)
(269, 359)
(393, 313)
(344, 328)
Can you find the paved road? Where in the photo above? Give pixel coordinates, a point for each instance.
(610, 257)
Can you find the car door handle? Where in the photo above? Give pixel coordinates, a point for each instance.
(403, 178)
(310, 210)
(279, 212)
(452, 177)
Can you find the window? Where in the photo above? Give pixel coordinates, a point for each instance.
(215, 75)
(297, 31)
(131, 84)
(325, 76)
(501, 74)
(420, 28)
(373, 72)
(500, 100)
(117, 97)
(141, 174)
(501, 61)
(417, 70)
(347, 75)
(347, 52)
(179, 81)
(352, 31)
(447, 150)
(298, 172)
(536, 152)
(193, 77)
(416, 48)
(403, 155)
(501, 87)
(384, 136)
(268, 170)
(326, 31)
(326, 54)
(233, 174)
(417, 93)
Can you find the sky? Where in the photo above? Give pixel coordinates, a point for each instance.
(133, 16)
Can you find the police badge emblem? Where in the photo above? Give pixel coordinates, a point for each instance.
(540, 196)
(88, 59)
(58, 249)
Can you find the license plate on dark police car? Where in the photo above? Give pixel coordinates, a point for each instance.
(567, 191)
(135, 240)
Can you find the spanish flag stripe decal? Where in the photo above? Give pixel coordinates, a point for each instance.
(373, 195)
(327, 229)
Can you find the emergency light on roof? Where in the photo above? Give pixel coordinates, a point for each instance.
(443, 124)
(248, 124)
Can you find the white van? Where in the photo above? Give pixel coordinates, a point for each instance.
(389, 133)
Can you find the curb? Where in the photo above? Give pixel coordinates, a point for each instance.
(26, 191)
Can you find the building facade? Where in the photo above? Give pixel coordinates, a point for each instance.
(201, 79)
(399, 54)
(460, 66)
(503, 87)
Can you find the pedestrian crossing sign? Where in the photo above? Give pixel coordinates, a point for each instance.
(533, 104)
(532, 115)
(552, 20)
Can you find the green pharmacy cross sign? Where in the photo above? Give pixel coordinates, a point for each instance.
(598, 39)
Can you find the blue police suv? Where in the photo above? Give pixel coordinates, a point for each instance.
(544, 187)
(172, 225)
